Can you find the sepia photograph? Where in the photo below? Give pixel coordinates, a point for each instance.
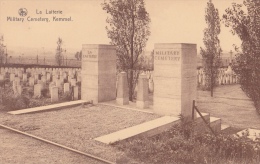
(129, 81)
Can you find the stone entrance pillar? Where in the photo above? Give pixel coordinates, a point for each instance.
(98, 73)
(174, 78)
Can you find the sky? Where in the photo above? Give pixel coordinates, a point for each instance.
(172, 21)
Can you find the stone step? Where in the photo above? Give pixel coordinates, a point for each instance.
(200, 126)
(215, 124)
(149, 128)
(48, 107)
(206, 116)
(224, 127)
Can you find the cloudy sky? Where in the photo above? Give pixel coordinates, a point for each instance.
(172, 21)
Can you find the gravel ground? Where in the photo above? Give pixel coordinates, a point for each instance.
(230, 104)
(77, 127)
(16, 148)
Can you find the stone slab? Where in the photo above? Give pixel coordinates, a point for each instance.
(147, 128)
(130, 106)
(253, 134)
(48, 107)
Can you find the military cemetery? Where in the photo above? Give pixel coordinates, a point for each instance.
(130, 85)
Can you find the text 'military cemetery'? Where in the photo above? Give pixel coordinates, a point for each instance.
(174, 78)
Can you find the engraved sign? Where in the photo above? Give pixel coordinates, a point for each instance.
(169, 55)
(89, 55)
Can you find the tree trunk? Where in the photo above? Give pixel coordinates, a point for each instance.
(211, 78)
(131, 86)
(211, 87)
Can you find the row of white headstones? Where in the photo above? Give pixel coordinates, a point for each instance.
(226, 76)
(38, 78)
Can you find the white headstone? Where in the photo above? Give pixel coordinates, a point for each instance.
(73, 82)
(44, 79)
(66, 87)
(17, 80)
(48, 77)
(142, 100)
(122, 89)
(54, 94)
(37, 90)
(12, 77)
(151, 85)
(1, 77)
(25, 77)
(31, 81)
(19, 89)
(75, 92)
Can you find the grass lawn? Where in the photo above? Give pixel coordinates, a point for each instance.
(230, 104)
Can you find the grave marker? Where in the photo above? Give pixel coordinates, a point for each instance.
(37, 91)
(75, 93)
(122, 96)
(142, 100)
(73, 82)
(19, 89)
(48, 77)
(12, 77)
(66, 87)
(25, 77)
(17, 80)
(54, 94)
(1, 77)
(44, 79)
(31, 81)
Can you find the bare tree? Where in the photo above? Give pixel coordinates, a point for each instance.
(2, 49)
(59, 52)
(78, 55)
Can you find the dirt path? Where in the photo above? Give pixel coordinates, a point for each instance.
(231, 105)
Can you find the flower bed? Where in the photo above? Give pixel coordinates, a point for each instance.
(180, 145)
(11, 100)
